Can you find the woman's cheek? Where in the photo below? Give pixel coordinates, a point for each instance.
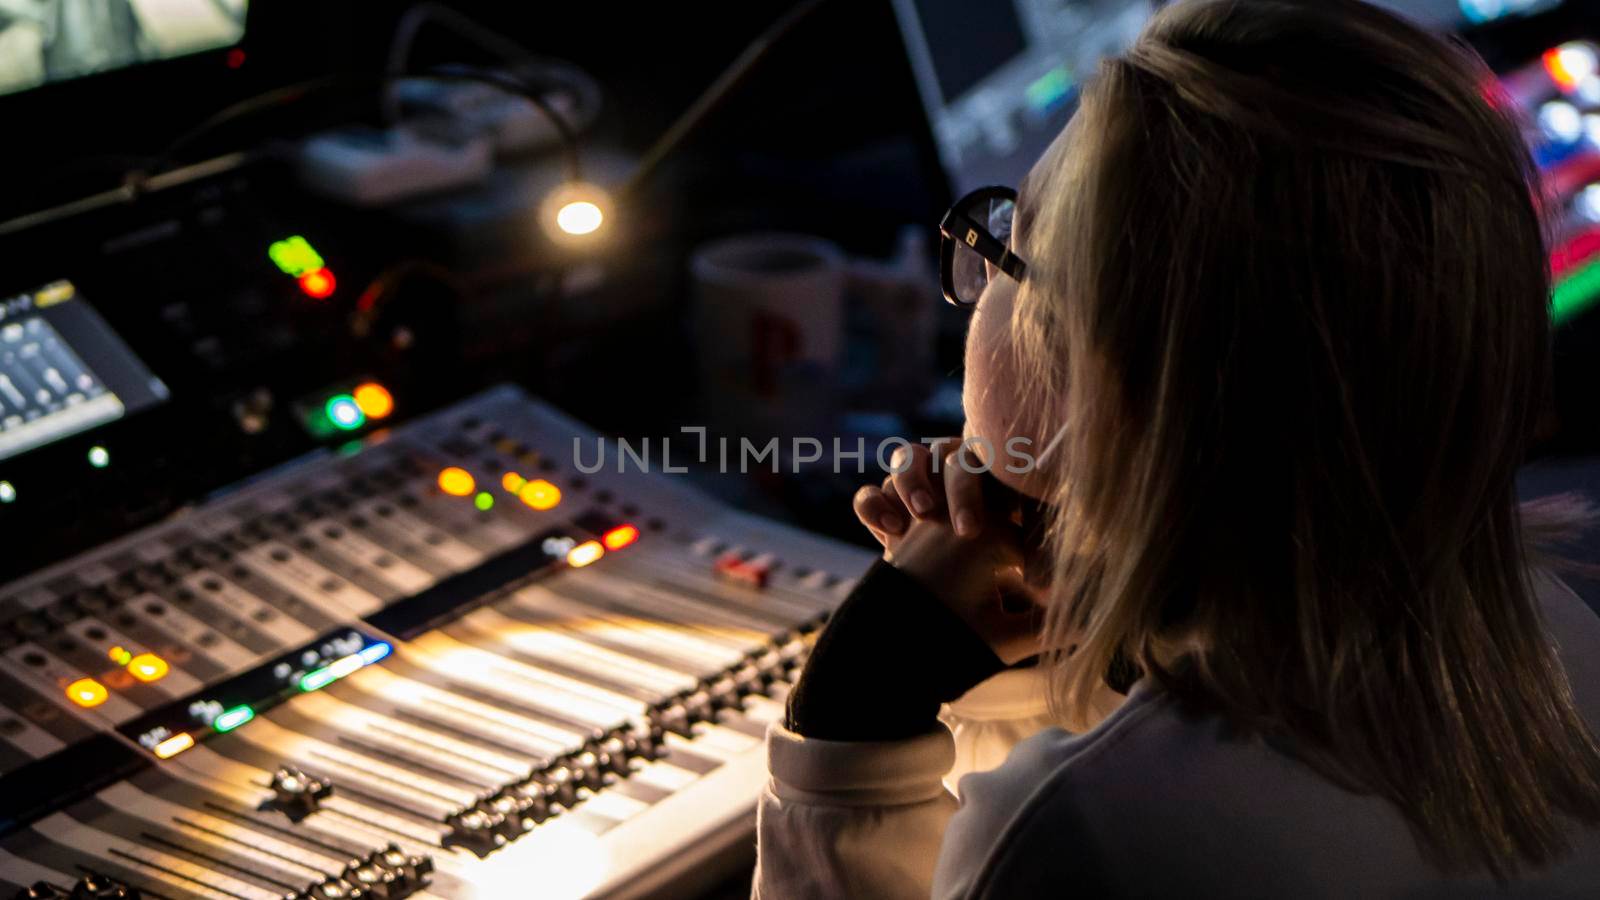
(992, 395)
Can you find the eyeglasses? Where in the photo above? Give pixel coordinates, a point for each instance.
(974, 243)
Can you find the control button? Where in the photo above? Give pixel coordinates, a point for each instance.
(86, 692)
(148, 667)
(732, 566)
(99, 887)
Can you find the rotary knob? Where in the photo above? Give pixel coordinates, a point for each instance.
(296, 794)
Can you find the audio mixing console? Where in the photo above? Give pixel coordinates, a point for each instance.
(437, 663)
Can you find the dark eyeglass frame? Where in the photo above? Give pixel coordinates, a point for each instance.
(958, 227)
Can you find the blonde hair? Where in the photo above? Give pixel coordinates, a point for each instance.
(1287, 294)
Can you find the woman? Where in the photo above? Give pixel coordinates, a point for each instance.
(1278, 295)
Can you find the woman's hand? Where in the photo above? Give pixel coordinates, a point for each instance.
(959, 533)
(923, 487)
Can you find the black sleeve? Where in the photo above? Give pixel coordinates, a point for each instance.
(887, 659)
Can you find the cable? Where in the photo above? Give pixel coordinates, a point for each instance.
(294, 93)
(525, 63)
(713, 96)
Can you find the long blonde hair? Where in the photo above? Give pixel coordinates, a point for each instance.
(1288, 293)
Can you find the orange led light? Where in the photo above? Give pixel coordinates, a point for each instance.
(174, 745)
(540, 494)
(584, 554)
(318, 284)
(512, 482)
(374, 399)
(147, 667)
(619, 537)
(456, 482)
(120, 656)
(87, 692)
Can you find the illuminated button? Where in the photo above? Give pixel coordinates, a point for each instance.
(374, 399)
(295, 256)
(456, 481)
(540, 494)
(87, 692)
(584, 554)
(8, 494)
(484, 501)
(318, 284)
(174, 745)
(512, 482)
(619, 537)
(230, 719)
(147, 667)
(99, 457)
(344, 413)
(120, 656)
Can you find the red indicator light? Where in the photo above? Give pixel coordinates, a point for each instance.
(619, 537)
(318, 284)
(235, 58)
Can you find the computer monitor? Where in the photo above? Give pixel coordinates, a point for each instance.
(46, 41)
(1000, 79)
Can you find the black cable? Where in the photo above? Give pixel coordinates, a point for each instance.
(713, 96)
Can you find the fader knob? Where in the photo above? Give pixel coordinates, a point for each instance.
(475, 830)
(42, 890)
(334, 888)
(374, 880)
(413, 873)
(99, 887)
(297, 794)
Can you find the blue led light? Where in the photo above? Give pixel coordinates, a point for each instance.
(375, 652)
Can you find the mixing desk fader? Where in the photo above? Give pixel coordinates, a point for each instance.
(441, 663)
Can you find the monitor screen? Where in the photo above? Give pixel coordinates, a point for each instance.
(43, 41)
(63, 370)
(1000, 79)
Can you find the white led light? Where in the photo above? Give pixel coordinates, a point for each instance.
(8, 494)
(1561, 121)
(1588, 203)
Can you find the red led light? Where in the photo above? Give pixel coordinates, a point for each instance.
(318, 284)
(1580, 249)
(235, 58)
(619, 537)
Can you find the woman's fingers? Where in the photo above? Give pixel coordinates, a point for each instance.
(963, 494)
(881, 511)
(913, 480)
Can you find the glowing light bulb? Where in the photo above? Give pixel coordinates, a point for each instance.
(318, 284)
(148, 667)
(233, 718)
(584, 554)
(456, 481)
(580, 217)
(540, 494)
(1561, 121)
(374, 399)
(87, 692)
(343, 411)
(574, 212)
(620, 536)
(174, 745)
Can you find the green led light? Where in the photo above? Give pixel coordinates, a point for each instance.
(233, 718)
(8, 494)
(343, 411)
(295, 256)
(1575, 292)
(318, 679)
(483, 501)
(99, 457)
